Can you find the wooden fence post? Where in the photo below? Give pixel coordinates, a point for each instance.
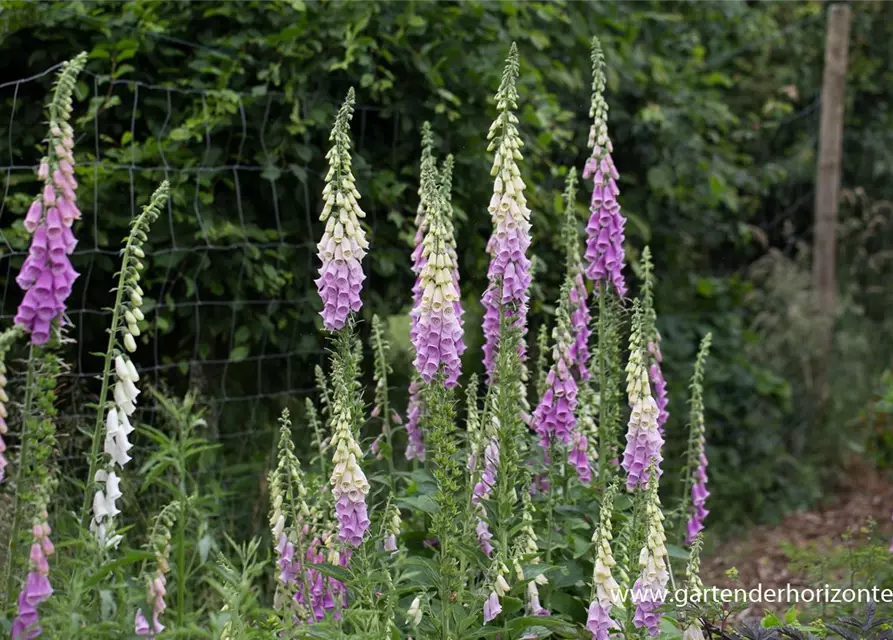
(827, 193)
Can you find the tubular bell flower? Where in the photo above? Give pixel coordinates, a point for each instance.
(484, 487)
(438, 333)
(527, 552)
(156, 588)
(649, 590)
(343, 243)
(415, 446)
(604, 247)
(47, 276)
(652, 335)
(120, 377)
(643, 439)
(6, 340)
(578, 293)
(605, 590)
(392, 529)
(37, 587)
(349, 484)
(419, 259)
(509, 272)
(697, 455)
(554, 416)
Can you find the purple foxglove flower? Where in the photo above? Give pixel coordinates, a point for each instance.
(492, 607)
(47, 275)
(604, 244)
(660, 394)
(140, 624)
(343, 243)
(699, 495)
(580, 325)
(534, 608)
(438, 333)
(390, 542)
(482, 529)
(482, 490)
(647, 615)
(509, 271)
(643, 438)
(579, 459)
(554, 416)
(649, 591)
(599, 622)
(26, 624)
(415, 447)
(349, 484)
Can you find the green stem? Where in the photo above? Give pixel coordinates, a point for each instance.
(181, 564)
(386, 418)
(602, 388)
(23, 457)
(106, 374)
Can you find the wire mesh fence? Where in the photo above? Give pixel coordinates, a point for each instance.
(230, 267)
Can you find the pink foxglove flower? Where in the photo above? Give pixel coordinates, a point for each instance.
(660, 384)
(415, 447)
(699, 495)
(343, 243)
(438, 334)
(47, 276)
(509, 272)
(492, 607)
(606, 591)
(482, 490)
(697, 454)
(649, 590)
(349, 484)
(580, 324)
(605, 237)
(554, 416)
(643, 438)
(37, 587)
(4, 398)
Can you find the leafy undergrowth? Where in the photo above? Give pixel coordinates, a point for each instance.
(842, 542)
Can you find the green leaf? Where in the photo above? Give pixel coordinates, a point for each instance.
(422, 503)
(332, 571)
(238, 353)
(131, 557)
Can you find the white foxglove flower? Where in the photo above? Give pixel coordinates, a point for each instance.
(414, 613)
(501, 586)
(117, 446)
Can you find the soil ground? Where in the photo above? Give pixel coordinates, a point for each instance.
(760, 554)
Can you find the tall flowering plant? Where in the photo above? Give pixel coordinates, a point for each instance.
(119, 393)
(643, 439)
(696, 462)
(578, 294)
(47, 276)
(509, 271)
(604, 245)
(343, 244)
(605, 590)
(655, 373)
(654, 572)
(554, 416)
(7, 339)
(340, 282)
